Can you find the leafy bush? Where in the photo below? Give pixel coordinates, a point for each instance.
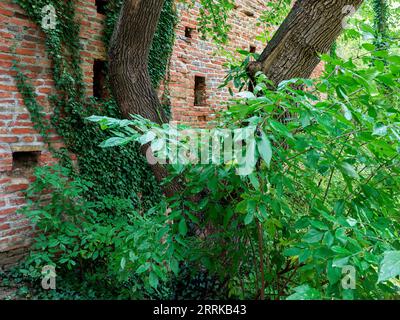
(98, 248)
(322, 193)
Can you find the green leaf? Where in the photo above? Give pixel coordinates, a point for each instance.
(183, 229)
(349, 170)
(340, 262)
(228, 215)
(153, 280)
(246, 95)
(174, 265)
(313, 236)
(328, 239)
(305, 292)
(123, 263)
(265, 149)
(249, 218)
(263, 210)
(380, 130)
(143, 268)
(319, 225)
(114, 142)
(280, 128)
(147, 137)
(369, 46)
(157, 145)
(390, 266)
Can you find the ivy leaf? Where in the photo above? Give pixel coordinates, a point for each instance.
(390, 266)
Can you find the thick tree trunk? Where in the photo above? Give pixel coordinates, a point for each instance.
(129, 51)
(311, 28)
(129, 77)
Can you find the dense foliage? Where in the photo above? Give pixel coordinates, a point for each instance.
(71, 107)
(318, 196)
(322, 197)
(110, 181)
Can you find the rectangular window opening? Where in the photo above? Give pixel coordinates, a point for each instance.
(99, 79)
(200, 91)
(101, 6)
(248, 13)
(188, 32)
(25, 160)
(253, 49)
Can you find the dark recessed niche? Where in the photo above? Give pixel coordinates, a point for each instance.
(101, 6)
(25, 160)
(253, 49)
(248, 13)
(99, 79)
(200, 89)
(188, 32)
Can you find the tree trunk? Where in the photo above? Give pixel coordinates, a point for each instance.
(129, 52)
(129, 76)
(311, 28)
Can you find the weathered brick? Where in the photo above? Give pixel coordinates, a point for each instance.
(191, 57)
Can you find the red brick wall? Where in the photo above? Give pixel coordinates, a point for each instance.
(196, 57)
(21, 40)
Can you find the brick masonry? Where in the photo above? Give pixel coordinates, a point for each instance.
(23, 41)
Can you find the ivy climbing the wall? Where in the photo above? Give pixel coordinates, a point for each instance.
(381, 16)
(122, 172)
(103, 186)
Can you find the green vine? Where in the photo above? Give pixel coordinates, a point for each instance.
(381, 16)
(121, 172)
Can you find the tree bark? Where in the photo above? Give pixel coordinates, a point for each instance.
(310, 29)
(129, 76)
(129, 52)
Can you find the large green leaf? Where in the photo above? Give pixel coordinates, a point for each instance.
(265, 149)
(390, 266)
(305, 292)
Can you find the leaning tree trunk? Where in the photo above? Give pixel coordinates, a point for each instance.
(310, 29)
(129, 52)
(128, 72)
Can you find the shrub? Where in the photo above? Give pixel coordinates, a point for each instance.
(317, 194)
